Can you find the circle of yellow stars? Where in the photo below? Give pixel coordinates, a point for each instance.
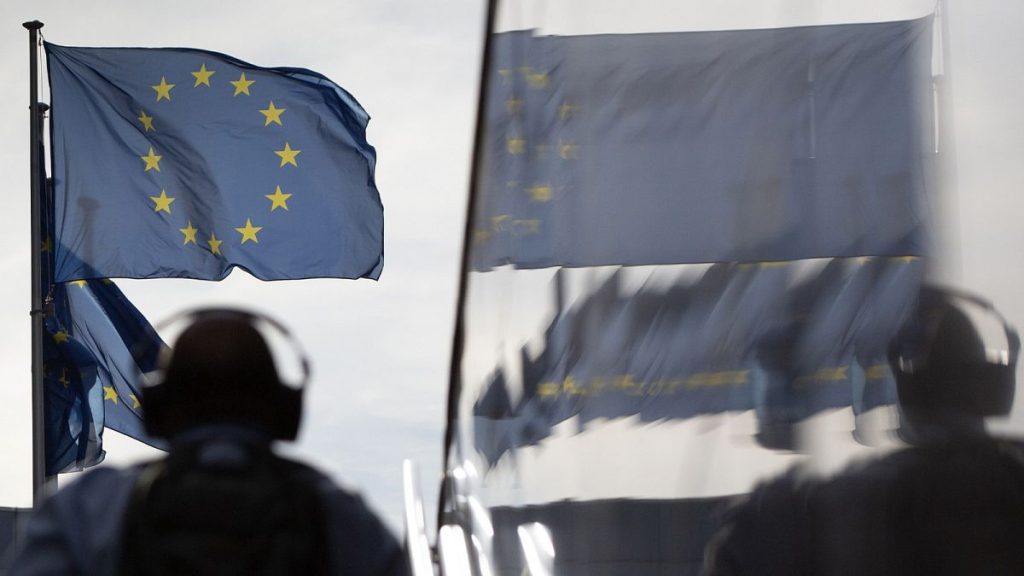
(521, 81)
(272, 115)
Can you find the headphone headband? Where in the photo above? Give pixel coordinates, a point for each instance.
(167, 412)
(254, 318)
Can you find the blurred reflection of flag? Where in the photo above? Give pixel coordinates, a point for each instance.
(741, 337)
(672, 148)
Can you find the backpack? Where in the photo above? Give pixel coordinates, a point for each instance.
(255, 514)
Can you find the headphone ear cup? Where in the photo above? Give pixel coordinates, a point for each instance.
(288, 413)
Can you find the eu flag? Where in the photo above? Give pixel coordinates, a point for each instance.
(95, 344)
(692, 147)
(186, 163)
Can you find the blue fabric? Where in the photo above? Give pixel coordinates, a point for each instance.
(95, 343)
(747, 145)
(268, 168)
(741, 337)
(122, 344)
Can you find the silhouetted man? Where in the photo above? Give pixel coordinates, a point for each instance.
(950, 503)
(221, 502)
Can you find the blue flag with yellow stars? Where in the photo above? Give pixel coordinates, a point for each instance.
(695, 147)
(95, 344)
(186, 163)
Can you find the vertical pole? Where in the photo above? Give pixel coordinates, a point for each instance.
(41, 483)
(455, 372)
(949, 268)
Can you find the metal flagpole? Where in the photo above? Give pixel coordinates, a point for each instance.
(455, 371)
(950, 268)
(41, 483)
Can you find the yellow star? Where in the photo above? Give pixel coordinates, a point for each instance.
(135, 401)
(79, 283)
(152, 160)
(249, 232)
(537, 80)
(515, 145)
(241, 85)
(498, 222)
(566, 110)
(513, 105)
(214, 243)
(567, 151)
(540, 193)
(273, 114)
(163, 202)
(189, 232)
(110, 394)
(147, 121)
(278, 199)
(202, 76)
(61, 337)
(163, 89)
(288, 155)
(64, 377)
(47, 245)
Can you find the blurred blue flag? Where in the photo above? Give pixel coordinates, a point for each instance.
(187, 163)
(725, 146)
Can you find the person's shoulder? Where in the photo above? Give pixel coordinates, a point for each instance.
(107, 475)
(319, 481)
(363, 545)
(770, 527)
(337, 499)
(84, 489)
(791, 489)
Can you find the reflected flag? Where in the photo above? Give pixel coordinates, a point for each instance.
(695, 147)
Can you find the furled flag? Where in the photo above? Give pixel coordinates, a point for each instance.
(187, 163)
(96, 342)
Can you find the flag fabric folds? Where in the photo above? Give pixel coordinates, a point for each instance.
(775, 338)
(187, 163)
(95, 344)
(694, 147)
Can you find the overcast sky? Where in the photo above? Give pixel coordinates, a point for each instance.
(380, 350)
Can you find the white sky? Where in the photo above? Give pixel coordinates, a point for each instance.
(381, 350)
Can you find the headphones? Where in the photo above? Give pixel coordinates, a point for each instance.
(160, 401)
(981, 381)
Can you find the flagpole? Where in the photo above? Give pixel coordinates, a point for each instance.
(950, 265)
(41, 483)
(458, 339)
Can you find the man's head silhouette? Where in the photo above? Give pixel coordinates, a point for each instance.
(954, 362)
(221, 371)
